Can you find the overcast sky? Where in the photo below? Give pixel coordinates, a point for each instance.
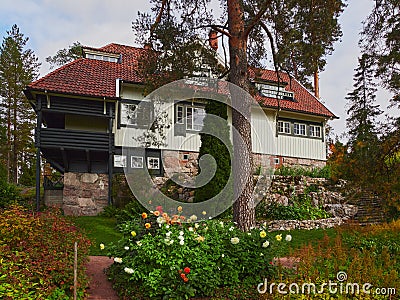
(55, 24)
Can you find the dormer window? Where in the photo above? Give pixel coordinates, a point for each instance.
(99, 55)
(274, 91)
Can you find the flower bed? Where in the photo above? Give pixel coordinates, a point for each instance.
(161, 257)
(37, 255)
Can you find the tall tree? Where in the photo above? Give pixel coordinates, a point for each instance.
(65, 55)
(361, 123)
(18, 67)
(247, 24)
(380, 38)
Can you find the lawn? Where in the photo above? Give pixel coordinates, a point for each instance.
(99, 230)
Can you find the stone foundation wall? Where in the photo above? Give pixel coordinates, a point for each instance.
(84, 194)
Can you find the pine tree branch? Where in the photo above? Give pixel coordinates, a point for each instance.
(256, 19)
(158, 18)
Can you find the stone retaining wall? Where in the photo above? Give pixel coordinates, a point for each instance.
(306, 224)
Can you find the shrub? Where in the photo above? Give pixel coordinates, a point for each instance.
(37, 255)
(8, 194)
(159, 257)
(366, 255)
(299, 210)
(315, 172)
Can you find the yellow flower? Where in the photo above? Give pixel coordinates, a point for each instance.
(204, 212)
(263, 234)
(179, 208)
(278, 237)
(147, 225)
(133, 233)
(156, 213)
(200, 238)
(144, 215)
(102, 246)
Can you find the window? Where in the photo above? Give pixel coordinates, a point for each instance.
(283, 127)
(315, 131)
(299, 129)
(136, 162)
(102, 57)
(276, 161)
(119, 161)
(153, 163)
(186, 157)
(274, 91)
(179, 114)
(194, 118)
(128, 114)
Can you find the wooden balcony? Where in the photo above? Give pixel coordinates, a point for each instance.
(55, 138)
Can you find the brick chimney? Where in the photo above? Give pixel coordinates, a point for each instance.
(213, 39)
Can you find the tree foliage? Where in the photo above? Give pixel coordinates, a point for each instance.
(381, 40)
(65, 55)
(18, 67)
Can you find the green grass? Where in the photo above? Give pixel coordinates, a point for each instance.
(302, 237)
(99, 230)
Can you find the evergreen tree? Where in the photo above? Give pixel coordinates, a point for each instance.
(65, 55)
(361, 123)
(381, 40)
(216, 148)
(18, 67)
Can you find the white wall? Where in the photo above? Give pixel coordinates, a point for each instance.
(263, 127)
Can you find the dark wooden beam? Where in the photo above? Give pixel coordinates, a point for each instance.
(65, 159)
(89, 164)
(110, 154)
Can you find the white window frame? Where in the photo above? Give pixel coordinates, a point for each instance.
(300, 129)
(314, 131)
(119, 161)
(124, 116)
(285, 128)
(136, 162)
(151, 165)
(180, 119)
(191, 116)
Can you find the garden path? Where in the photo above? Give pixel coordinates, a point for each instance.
(99, 286)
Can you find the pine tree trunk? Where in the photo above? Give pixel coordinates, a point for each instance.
(9, 141)
(243, 208)
(15, 142)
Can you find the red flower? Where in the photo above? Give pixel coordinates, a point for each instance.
(160, 209)
(186, 270)
(185, 279)
(183, 276)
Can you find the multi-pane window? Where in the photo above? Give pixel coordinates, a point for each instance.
(315, 131)
(283, 127)
(119, 161)
(136, 162)
(179, 114)
(128, 114)
(194, 118)
(153, 163)
(299, 129)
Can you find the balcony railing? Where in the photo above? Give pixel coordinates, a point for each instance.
(72, 139)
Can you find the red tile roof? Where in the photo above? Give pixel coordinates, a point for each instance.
(304, 101)
(96, 78)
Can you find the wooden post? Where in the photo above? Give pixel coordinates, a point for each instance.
(75, 269)
(110, 154)
(37, 144)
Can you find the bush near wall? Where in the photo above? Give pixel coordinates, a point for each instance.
(37, 255)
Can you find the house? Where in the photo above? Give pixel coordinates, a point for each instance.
(85, 108)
